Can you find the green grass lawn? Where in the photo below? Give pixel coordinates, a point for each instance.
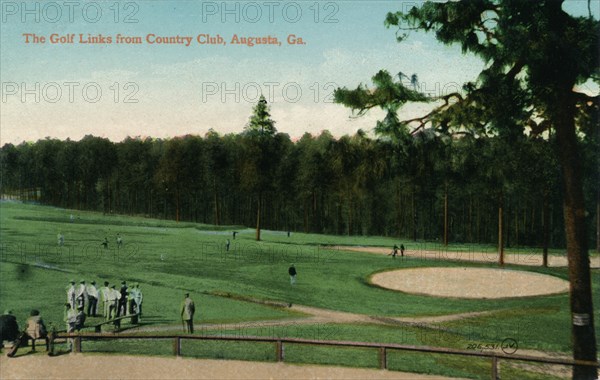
(169, 259)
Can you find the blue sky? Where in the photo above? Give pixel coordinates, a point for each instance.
(178, 90)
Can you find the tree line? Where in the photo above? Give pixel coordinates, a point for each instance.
(424, 186)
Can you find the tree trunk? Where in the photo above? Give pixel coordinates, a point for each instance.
(545, 228)
(258, 216)
(598, 221)
(399, 213)
(350, 216)
(532, 227)
(507, 232)
(216, 200)
(470, 219)
(516, 239)
(583, 333)
(322, 212)
(597, 194)
(340, 218)
(446, 215)
(414, 214)
(315, 216)
(478, 222)
(306, 229)
(500, 232)
(305, 216)
(177, 205)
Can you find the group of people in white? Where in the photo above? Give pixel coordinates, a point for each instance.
(115, 303)
(127, 301)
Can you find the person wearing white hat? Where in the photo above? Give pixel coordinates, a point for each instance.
(92, 293)
(106, 301)
(113, 299)
(70, 319)
(71, 294)
(82, 295)
(139, 298)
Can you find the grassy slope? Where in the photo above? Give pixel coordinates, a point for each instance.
(168, 258)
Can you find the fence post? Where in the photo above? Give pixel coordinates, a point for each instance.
(177, 346)
(279, 350)
(382, 358)
(77, 344)
(494, 367)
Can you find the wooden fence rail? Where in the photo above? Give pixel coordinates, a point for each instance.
(279, 347)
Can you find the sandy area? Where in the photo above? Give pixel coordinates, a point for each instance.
(79, 366)
(470, 282)
(530, 259)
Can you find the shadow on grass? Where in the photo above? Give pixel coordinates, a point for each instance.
(60, 353)
(21, 352)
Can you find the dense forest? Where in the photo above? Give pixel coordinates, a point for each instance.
(422, 186)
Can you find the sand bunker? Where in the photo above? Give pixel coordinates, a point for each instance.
(470, 282)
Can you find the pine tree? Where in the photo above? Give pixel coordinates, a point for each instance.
(535, 54)
(261, 157)
(260, 122)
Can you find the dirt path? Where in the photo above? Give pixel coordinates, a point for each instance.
(334, 316)
(134, 367)
(318, 316)
(529, 259)
(79, 366)
(546, 369)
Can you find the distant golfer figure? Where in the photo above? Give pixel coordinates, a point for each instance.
(234, 233)
(119, 241)
(187, 313)
(292, 272)
(394, 252)
(227, 245)
(105, 243)
(61, 239)
(402, 250)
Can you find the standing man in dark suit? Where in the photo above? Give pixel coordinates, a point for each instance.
(187, 313)
(122, 305)
(92, 306)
